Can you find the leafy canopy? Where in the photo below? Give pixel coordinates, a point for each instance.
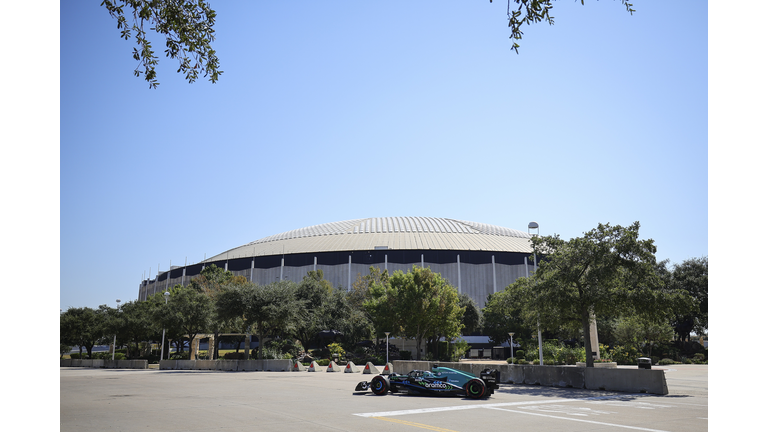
(609, 271)
(534, 11)
(188, 29)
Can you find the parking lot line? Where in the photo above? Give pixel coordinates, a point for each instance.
(575, 419)
(492, 405)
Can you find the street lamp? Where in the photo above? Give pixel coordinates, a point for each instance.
(531, 226)
(387, 333)
(114, 338)
(166, 294)
(512, 346)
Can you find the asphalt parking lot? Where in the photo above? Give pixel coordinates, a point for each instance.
(133, 400)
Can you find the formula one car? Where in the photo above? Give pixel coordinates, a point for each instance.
(441, 381)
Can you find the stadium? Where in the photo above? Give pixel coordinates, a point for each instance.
(478, 259)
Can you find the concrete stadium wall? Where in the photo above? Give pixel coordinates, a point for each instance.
(474, 279)
(107, 364)
(621, 380)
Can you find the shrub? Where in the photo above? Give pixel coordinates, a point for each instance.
(336, 348)
(324, 362)
(666, 361)
(286, 346)
(624, 355)
(510, 360)
(521, 361)
(269, 353)
(570, 356)
(520, 354)
(184, 355)
(460, 350)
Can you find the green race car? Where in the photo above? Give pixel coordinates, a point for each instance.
(440, 381)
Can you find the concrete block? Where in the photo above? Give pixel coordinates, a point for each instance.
(227, 365)
(351, 368)
(313, 367)
(627, 380)
(389, 368)
(205, 364)
(333, 367)
(250, 365)
(370, 369)
(298, 366)
(276, 365)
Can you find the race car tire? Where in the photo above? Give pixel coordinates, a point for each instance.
(475, 388)
(379, 385)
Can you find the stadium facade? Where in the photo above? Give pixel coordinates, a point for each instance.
(478, 259)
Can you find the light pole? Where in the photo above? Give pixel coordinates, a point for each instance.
(114, 338)
(387, 333)
(534, 225)
(166, 294)
(512, 346)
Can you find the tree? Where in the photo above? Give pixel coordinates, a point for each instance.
(83, 327)
(378, 300)
(691, 276)
(132, 323)
(211, 281)
(504, 313)
(188, 313)
(270, 309)
(637, 332)
(423, 304)
(188, 29)
(534, 11)
(472, 319)
(314, 292)
(607, 272)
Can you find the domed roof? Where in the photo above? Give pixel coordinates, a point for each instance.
(399, 233)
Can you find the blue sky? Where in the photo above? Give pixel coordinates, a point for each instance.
(336, 110)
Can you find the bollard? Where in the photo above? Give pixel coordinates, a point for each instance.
(370, 369)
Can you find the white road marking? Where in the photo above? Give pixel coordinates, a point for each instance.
(578, 420)
(495, 405)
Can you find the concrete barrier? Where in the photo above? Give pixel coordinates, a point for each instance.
(298, 366)
(370, 369)
(627, 380)
(276, 365)
(272, 365)
(333, 367)
(351, 368)
(622, 380)
(313, 367)
(388, 369)
(126, 364)
(227, 365)
(108, 364)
